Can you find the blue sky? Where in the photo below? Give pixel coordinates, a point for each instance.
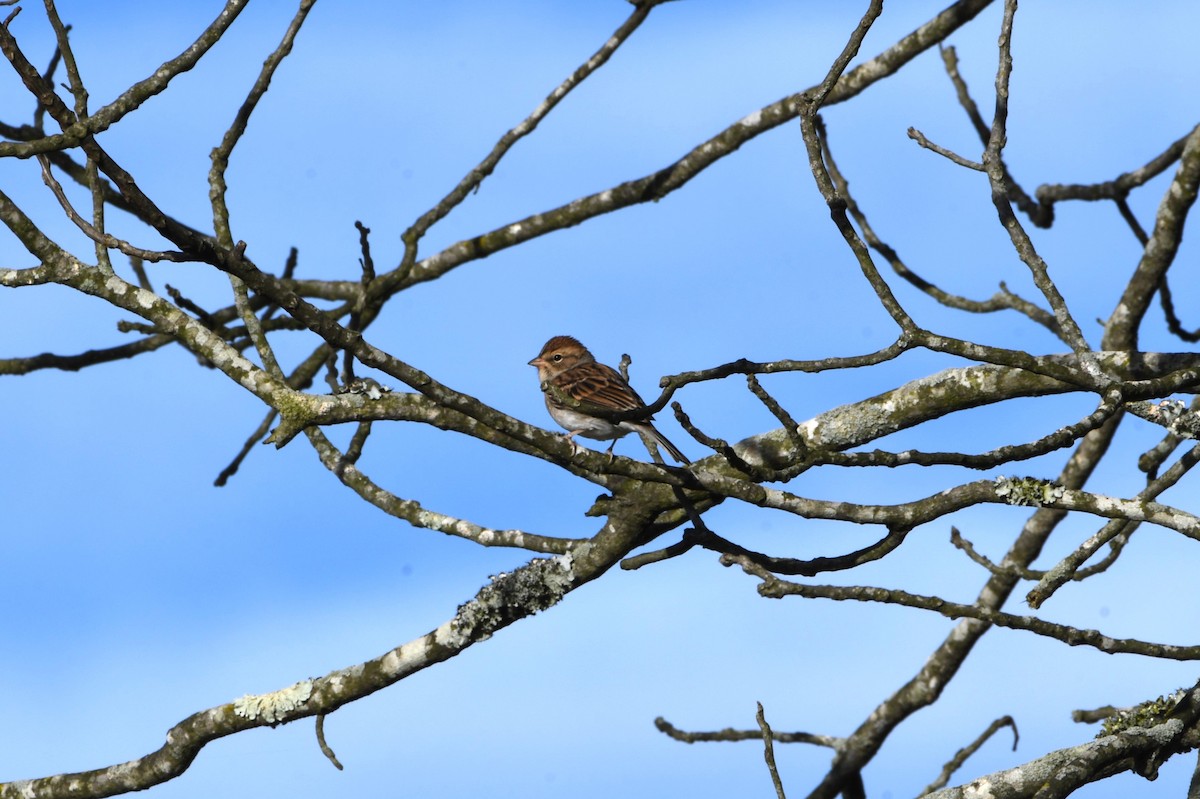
(138, 593)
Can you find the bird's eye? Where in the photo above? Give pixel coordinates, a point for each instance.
(557, 357)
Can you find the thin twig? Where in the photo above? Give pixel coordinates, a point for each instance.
(255, 438)
(1002, 300)
(961, 756)
(769, 750)
(790, 428)
(73, 363)
(1069, 329)
(922, 140)
(1109, 406)
(415, 514)
(957, 540)
(1041, 216)
(731, 735)
(472, 180)
(325, 749)
(772, 587)
(1119, 187)
(100, 237)
(221, 153)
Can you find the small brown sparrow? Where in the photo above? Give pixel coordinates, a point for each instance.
(568, 366)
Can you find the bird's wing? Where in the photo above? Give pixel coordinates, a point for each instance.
(602, 386)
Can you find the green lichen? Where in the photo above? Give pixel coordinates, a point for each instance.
(1030, 491)
(1147, 714)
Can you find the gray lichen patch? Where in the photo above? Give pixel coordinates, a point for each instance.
(1027, 491)
(514, 595)
(272, 707)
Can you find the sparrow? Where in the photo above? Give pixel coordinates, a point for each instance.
(567, 365)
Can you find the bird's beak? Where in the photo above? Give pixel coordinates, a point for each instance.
(538, 362)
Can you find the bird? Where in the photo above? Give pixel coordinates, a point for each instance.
(570, 368)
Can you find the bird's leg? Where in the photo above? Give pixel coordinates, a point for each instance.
(570, 436)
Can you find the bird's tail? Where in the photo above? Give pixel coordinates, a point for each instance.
(667, 445)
